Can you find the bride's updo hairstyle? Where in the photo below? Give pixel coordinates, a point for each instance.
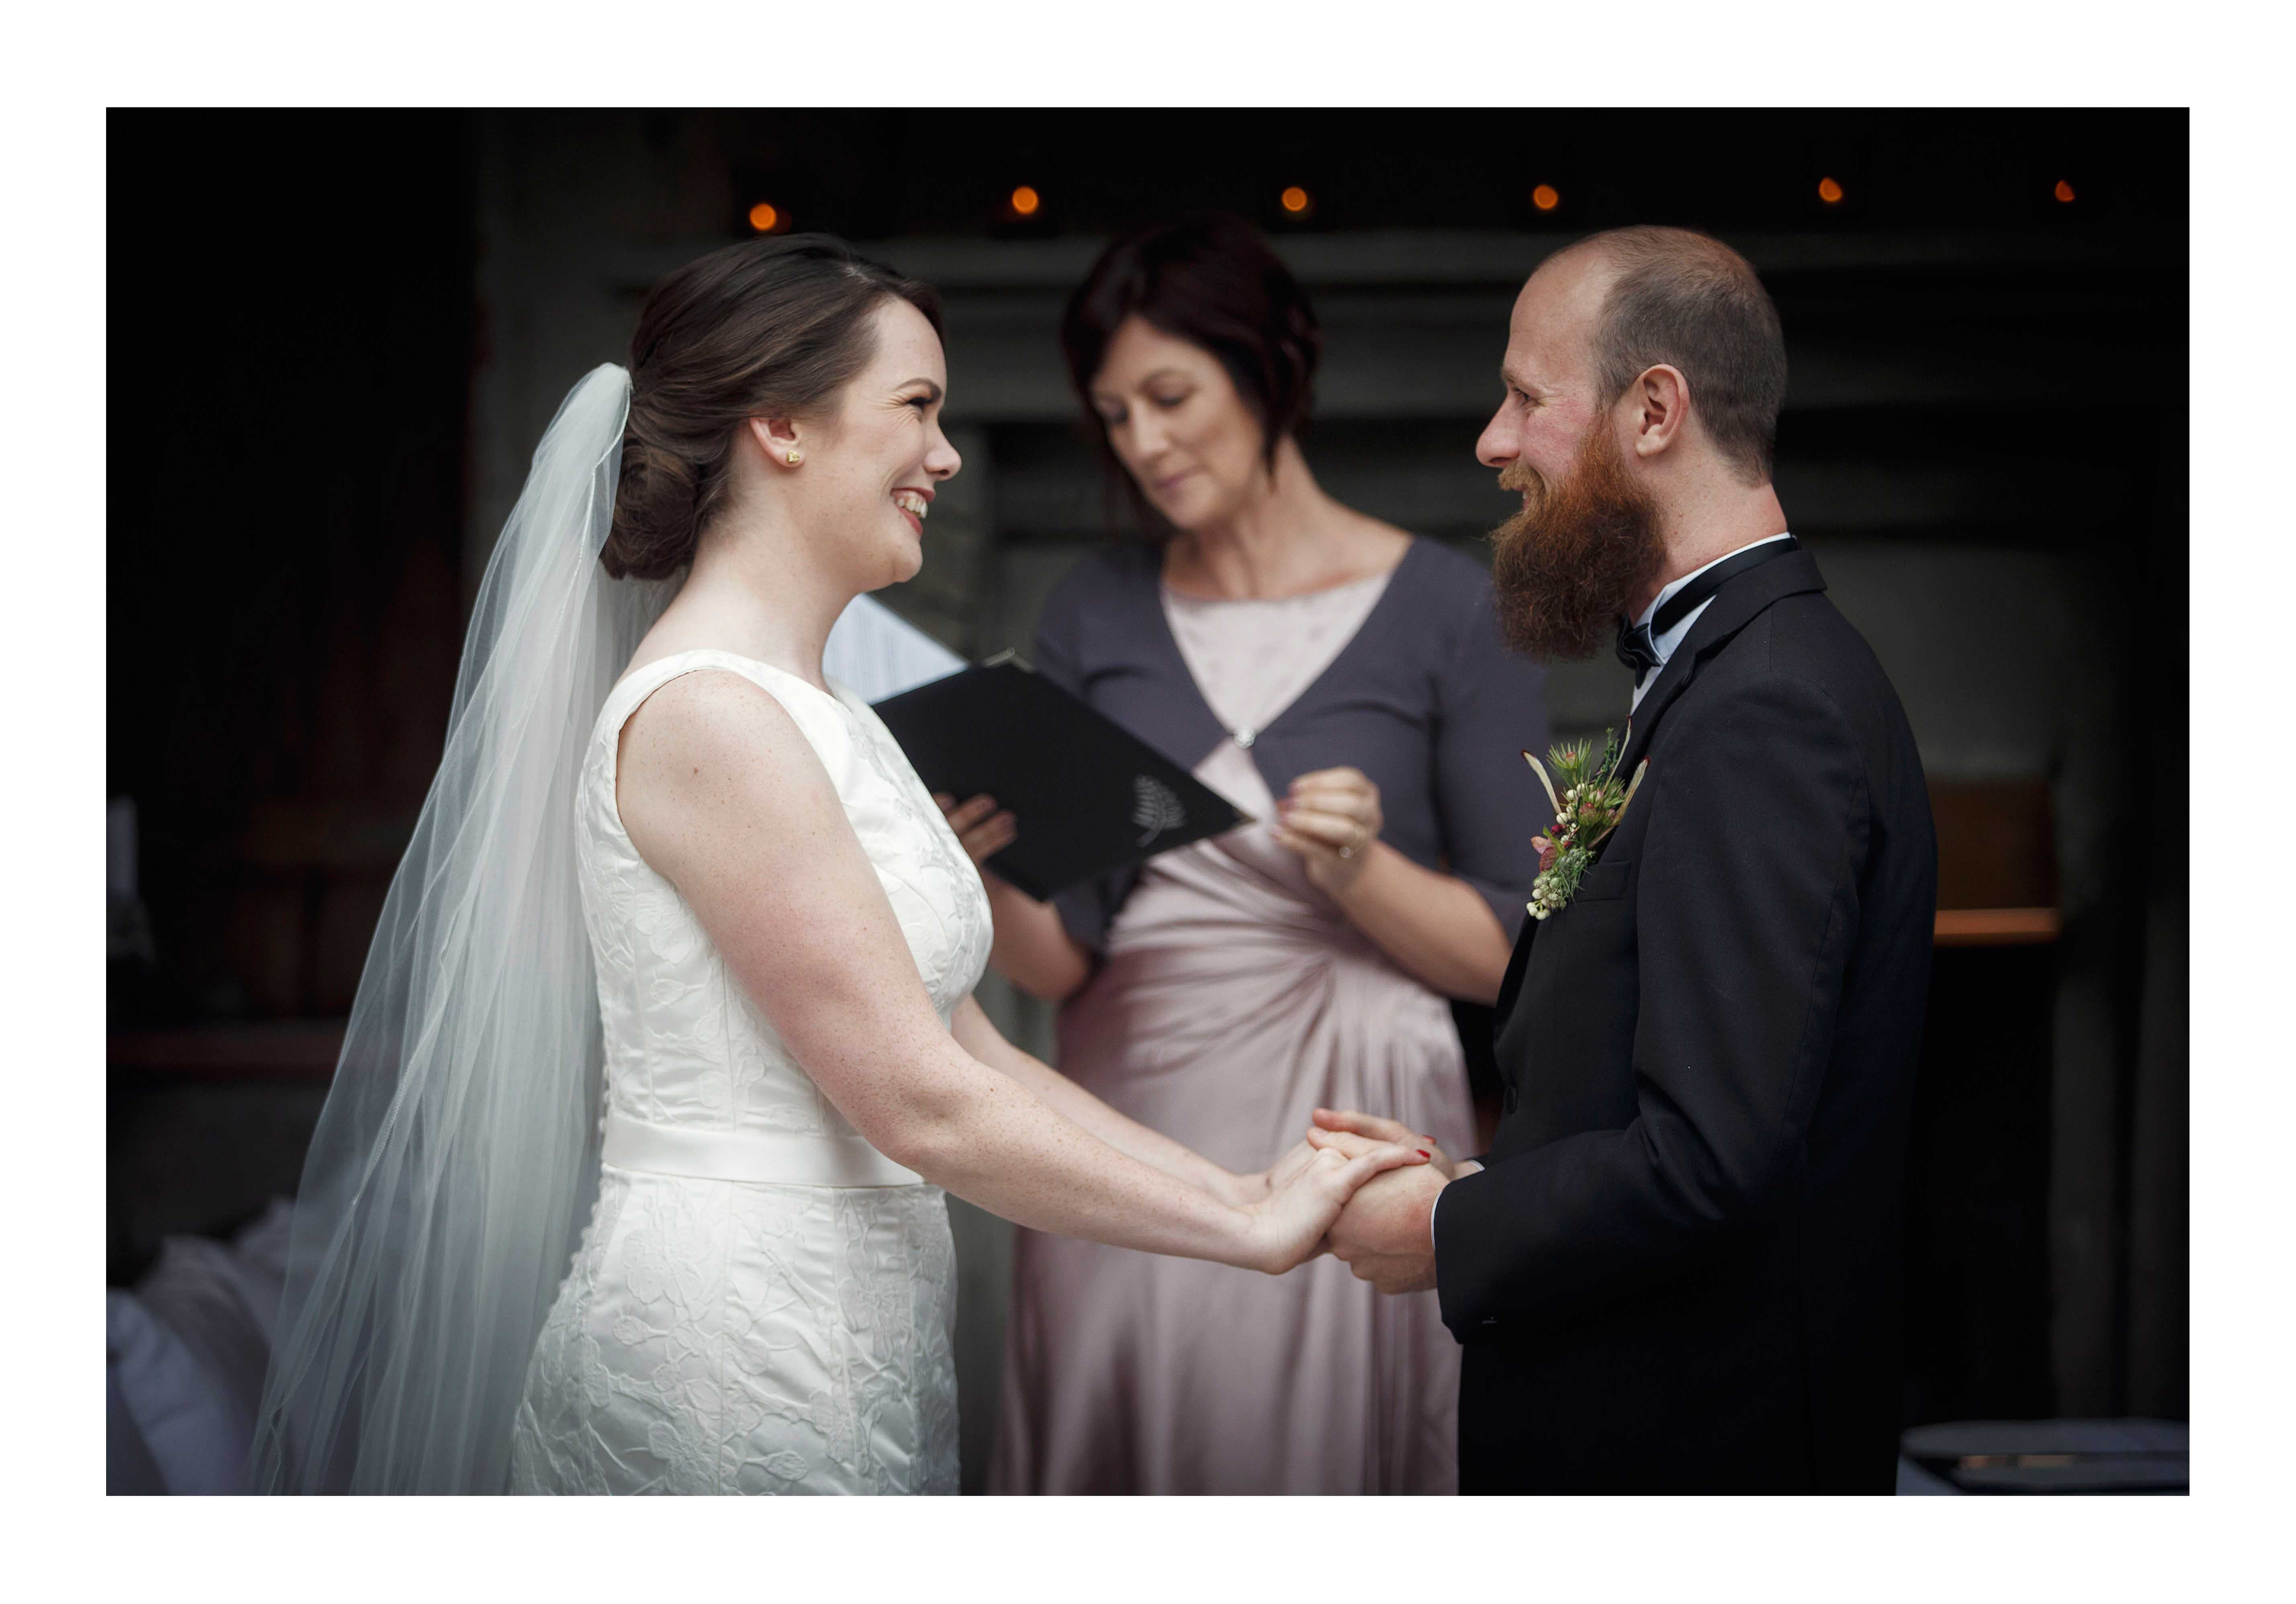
(768, 328)
(1209, 279)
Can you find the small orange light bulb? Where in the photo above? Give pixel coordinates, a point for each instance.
(2064, 192)
(1295, 200)
(1025, 201)
(1545, 197)
(1829, 191)
(763, 217)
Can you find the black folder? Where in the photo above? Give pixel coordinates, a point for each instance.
(1088, 795)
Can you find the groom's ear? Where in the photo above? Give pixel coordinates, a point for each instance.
(1661, 403)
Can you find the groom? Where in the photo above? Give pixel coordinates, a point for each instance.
(1676, 1268)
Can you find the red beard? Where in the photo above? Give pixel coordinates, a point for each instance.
(1568, 565)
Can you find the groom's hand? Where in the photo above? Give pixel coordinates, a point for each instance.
(1384, 1234)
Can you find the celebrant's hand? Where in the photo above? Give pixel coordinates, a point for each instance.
(982, 828)
(1332, 819)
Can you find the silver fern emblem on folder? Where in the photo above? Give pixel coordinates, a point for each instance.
(1155, 808)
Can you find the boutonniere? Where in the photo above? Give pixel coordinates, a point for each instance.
(1589, 809)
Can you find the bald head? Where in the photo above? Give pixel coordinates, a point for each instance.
(1669, 295)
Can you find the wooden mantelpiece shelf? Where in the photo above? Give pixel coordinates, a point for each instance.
(1997, 863)
(1997, 926)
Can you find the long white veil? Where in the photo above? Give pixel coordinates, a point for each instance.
(457, 1150)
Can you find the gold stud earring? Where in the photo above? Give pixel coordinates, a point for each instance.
(795, 457)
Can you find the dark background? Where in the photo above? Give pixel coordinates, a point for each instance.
(336, 337)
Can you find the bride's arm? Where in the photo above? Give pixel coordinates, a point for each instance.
(724, 797)
(979, 1036)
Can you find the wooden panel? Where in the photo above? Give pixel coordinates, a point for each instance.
(1996, 847)
(294, 1049)
(1977, 1190)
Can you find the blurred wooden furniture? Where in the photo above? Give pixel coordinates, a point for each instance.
(1997, 864)
(1977, 1250)
(302, 1050)
(2061, 1456)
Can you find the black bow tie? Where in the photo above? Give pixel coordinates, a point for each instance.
(1638, 642)
(1637, 648)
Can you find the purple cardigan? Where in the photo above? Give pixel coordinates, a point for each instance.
(1425, 699)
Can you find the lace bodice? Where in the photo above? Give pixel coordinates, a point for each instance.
(684, 1043)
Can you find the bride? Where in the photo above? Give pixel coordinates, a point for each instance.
(682, 948)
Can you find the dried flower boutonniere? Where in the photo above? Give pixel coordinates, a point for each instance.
(1589, 809)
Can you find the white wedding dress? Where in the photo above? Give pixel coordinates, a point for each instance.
(762, 1302)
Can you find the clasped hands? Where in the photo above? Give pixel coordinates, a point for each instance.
(1385, 1233)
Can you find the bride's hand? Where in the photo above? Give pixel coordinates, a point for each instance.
(1244, 1191)
(1306, 1195)
(1331, 1121)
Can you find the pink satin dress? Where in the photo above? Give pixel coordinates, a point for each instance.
(1234, 998)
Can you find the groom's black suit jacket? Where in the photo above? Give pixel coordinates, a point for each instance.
(1679, 1270)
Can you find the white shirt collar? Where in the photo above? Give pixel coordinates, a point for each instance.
(1664, 645)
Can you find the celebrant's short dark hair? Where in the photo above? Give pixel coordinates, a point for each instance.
(1209, 279)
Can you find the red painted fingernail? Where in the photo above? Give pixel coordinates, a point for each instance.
(1424, 1153)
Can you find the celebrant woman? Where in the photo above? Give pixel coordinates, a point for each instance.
(1342, 682)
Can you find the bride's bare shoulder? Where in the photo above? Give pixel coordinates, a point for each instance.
(708, 720)
(713, 750)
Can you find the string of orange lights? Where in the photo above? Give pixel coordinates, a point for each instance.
(1025, 201)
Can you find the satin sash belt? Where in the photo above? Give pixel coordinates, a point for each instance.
(759, 1157)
